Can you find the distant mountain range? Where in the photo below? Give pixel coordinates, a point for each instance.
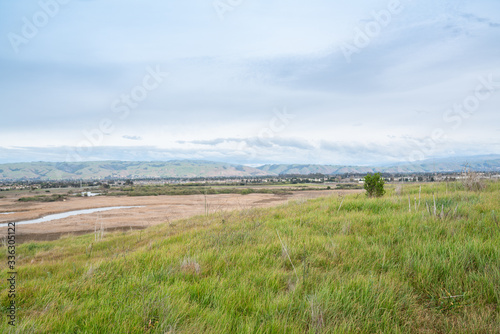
(191, 169)
(455, 164)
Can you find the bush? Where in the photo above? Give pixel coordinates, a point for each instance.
(374, 185)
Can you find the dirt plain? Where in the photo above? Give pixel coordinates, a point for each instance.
(153, 210)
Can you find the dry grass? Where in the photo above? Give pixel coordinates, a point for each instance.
(471, 181)
(190, 266)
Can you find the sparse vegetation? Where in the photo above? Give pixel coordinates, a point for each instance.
(342, 186)
(332, 265)
(43, 198)
(196, 190)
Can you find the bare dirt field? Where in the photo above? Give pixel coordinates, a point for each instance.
(154, 210)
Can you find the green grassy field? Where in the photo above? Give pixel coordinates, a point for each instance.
(328, 265)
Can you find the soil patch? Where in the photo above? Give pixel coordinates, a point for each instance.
(151, 210)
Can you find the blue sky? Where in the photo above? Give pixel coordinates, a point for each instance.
(252, 82)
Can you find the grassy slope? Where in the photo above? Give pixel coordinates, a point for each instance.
(371, 266)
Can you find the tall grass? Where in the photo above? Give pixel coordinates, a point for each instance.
(329, 265)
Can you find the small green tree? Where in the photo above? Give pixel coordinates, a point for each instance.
(374, 185)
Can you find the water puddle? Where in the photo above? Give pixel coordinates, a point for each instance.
(6, 213)
(69, 214)
(90, 194)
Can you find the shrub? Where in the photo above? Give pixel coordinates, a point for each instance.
(374, 185)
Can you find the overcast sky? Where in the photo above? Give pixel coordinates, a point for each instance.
(252, 82)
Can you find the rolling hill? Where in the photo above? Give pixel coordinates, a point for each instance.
(122, 169)
(193, 168)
